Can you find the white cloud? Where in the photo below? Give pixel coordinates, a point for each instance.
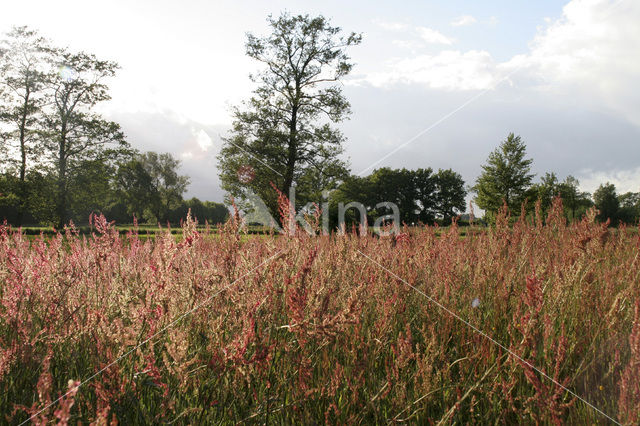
(432, 36)
(463, 20)
(407, 44)
(203, 140)
(391, 26)
(590, 53)
(587, 55)
(449, 69)
(624, 180)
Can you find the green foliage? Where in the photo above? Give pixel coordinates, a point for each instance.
(209, 211)
(403, 187)
(450, 193)
(134, 188)
(150, 187)
(607, 203)
(24, 57)
(624, 208)
(629, 207)
(546, 190)
(167, 186)
(505, 178)
(37, 204)
(75, 133)
(574, 201)
(283, 135)
(421, 195)
(49, 124)
(90, 189)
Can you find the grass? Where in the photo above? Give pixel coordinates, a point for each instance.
(336, 329)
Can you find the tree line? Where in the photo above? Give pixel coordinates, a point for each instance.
(61, 160)
(421, 195)
(506, 179)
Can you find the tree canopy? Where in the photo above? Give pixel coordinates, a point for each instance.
(75, 133)
(607, 203)
(421, 195)
(284, 133)
(505, 178)
(24, 67)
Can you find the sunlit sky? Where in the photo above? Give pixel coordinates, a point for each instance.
(563, 75)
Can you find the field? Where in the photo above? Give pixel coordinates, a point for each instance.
(531, 322)
(142, 230)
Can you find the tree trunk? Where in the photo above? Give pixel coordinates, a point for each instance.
(292, 152)
(22, 192)
(62, 180)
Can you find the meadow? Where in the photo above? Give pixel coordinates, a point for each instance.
(536, 321)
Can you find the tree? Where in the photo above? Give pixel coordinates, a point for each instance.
(135, 187)
(575, 202)
(396, 186)
(449, 194)
(24, 63)
(546, 190)
(283, 134)
(39, 202)
(606, 201)
(352, 189)
(505, 178)
(75, 133)
(167, 186)
(91, 189)
(629, 207)
(420, 195)
(209, 211)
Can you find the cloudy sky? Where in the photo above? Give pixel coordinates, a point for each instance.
(436, 84)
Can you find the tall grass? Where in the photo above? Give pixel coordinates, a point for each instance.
(303, 329)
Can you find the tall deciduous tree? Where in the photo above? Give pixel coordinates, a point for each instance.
(24, 72)
(283, 134)
(505, 178)
(76, 133)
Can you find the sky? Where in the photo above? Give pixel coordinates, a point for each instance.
(435, 84)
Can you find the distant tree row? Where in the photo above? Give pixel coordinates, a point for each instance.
(421, 195)
(145, 186)
(60, 160)
(617, 208)
(506, 178)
